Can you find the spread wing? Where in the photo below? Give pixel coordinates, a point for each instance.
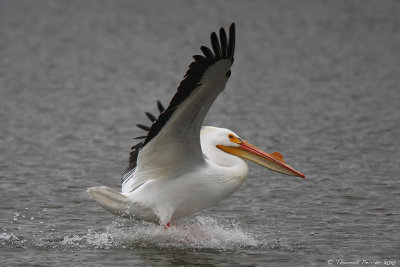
(172, 144)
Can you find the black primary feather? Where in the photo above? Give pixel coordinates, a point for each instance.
(215, 45)
(140, 137)
(143, 127)
(198, 58)
(151, 116)
(232, 37)
(136, 148)
(207, 52)
(224, 42)
(160, 106)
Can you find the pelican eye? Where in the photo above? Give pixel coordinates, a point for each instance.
(234, 139)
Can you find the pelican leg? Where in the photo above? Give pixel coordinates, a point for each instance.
(164, 214)
(168, 225)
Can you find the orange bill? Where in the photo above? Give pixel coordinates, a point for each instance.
(272, 161)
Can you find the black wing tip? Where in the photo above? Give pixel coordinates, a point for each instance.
(232, 29)
(207, 52)
(199, 58)
(215, 45)
(160, 106)
(151, 117)
(222, 47)
(224, 42)
(137, 147)
(140, 137)
(232, 40)
(143, 127)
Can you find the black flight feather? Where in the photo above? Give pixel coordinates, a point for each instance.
(207, 52)
(160, 106)
(224, 42)
(231, 45)
(143, 127)
(199, 58)
(151, 116)
(140, 137)
(215, 45)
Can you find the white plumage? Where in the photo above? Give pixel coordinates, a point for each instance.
(181, 167)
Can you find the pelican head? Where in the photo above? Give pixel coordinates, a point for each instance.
(229, 142)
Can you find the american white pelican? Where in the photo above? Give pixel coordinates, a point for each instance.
(181, 167)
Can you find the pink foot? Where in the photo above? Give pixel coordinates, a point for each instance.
(167, 226)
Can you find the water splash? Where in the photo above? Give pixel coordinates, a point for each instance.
(197, 233)
(205, 232)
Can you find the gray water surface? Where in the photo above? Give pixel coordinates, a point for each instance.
(316, 80)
